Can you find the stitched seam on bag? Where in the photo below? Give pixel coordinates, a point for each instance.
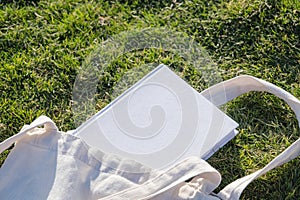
(65, 153)
(130, 190)
(83, 144)
(124, 192)
(116, 171)
(151, 181)
(98, 169)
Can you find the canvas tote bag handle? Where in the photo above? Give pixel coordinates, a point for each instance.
(40, 121)
(228, 90)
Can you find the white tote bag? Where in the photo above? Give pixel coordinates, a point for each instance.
(48, 164)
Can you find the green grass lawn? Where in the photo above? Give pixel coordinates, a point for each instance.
(43, 45)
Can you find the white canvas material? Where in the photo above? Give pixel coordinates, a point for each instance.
(48, 164)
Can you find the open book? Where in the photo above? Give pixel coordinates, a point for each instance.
(159, 121)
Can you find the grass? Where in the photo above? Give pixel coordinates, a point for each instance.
(43, 44)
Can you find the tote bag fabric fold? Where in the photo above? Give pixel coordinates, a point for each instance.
(48, 164)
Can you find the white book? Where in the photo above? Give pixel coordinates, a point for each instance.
(159, 121)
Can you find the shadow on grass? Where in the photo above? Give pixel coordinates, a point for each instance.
(260, 116)
(146, 4)
(19, 3)
(265, 38)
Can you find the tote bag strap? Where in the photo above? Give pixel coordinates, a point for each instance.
(40, 121)
(228, 90)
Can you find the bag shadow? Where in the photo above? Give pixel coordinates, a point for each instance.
(267, 126)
